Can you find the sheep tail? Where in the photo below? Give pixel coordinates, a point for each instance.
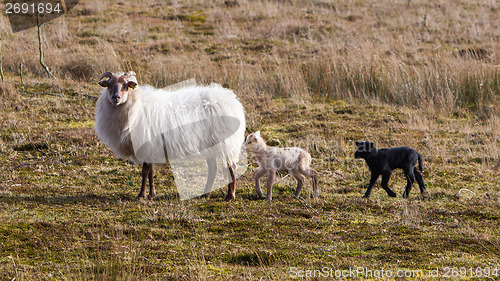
(420, 165)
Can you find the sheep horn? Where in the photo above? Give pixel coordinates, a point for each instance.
(108, 74)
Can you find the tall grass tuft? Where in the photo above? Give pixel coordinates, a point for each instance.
(440, 85)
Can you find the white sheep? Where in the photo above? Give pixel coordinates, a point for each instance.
(149, 126)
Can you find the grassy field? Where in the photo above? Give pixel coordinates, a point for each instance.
(314, 74)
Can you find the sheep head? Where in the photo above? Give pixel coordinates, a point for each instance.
(118, 86)
(255, 142)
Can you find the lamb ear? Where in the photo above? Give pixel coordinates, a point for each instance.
(370, 145)
(257, 134)
(357, 143)
(103, 83)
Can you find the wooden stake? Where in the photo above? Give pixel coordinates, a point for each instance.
(40, 45)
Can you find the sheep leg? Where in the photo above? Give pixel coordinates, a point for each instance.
(315, 185)
(410, 179)
(257, 177)
(212, 171)
(385, 184)
(297, 174)
(420, 181)
(314, 175)
(373, 179)
(269, 184)
(145, 173)
(231, 187)
(152, 192)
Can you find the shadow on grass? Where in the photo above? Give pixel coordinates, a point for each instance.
(86, 199)
(91, 198)
(257, 258)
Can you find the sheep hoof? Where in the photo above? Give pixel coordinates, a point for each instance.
(206, 195)
(141, 197)
(150, 197)
(269, 198)
(229, 198)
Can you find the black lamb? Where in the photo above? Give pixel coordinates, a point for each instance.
(383, 161)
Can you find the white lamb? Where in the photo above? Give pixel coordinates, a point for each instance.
(272, 159)
(149, 126)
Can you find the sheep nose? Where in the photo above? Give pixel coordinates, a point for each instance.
(115, 99)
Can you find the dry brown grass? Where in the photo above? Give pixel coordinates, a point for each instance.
(399, 52)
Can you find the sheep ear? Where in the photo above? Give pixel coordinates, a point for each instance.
(132, 84)
(370, 145)
(257, 133)
(103, 83)
(129, 74)
(358, 143)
